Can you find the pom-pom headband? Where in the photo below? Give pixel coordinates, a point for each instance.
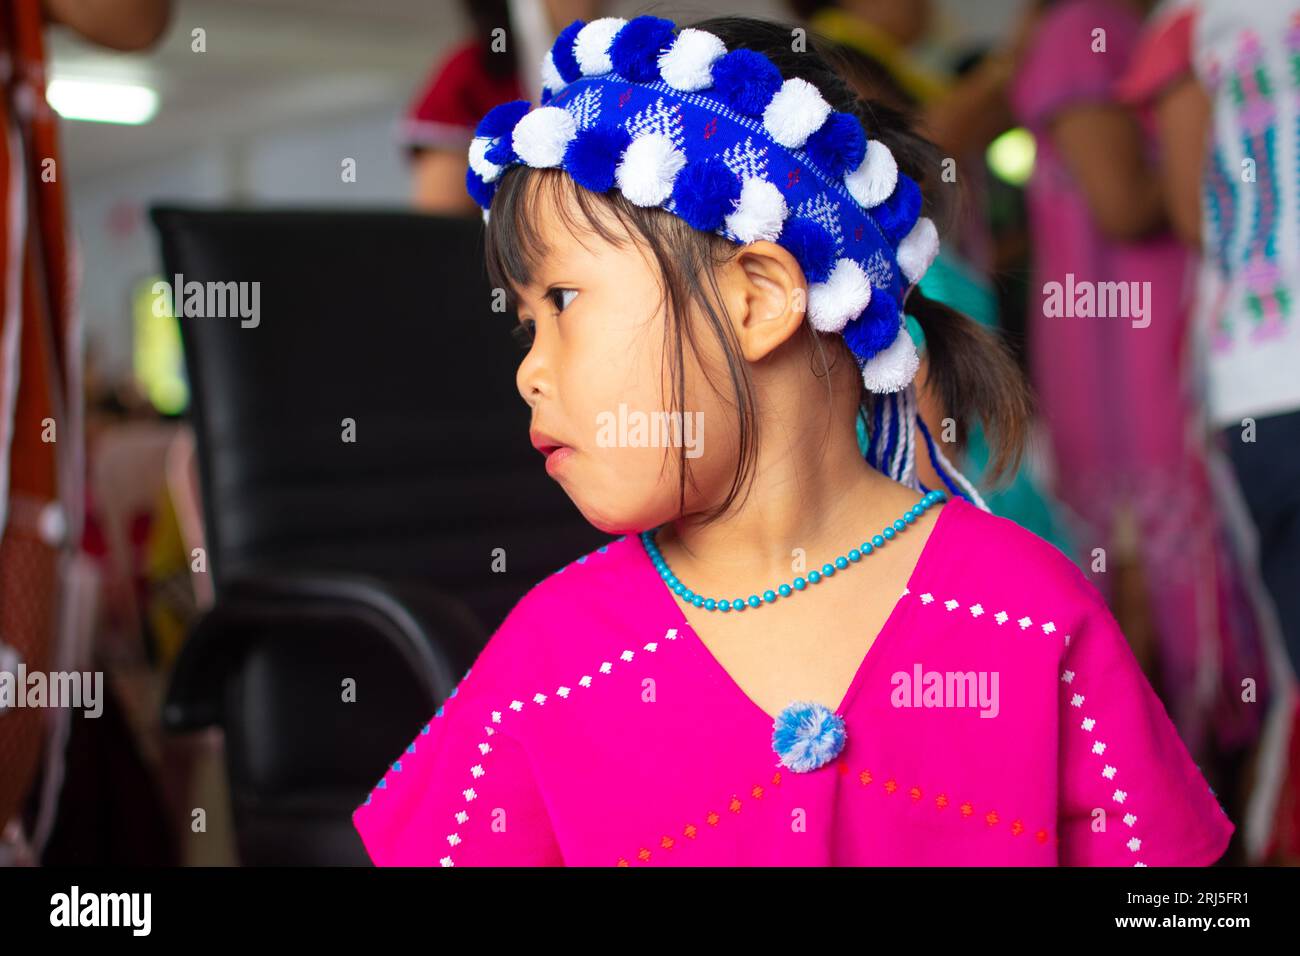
(673, 120)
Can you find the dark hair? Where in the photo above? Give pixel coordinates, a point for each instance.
(487, 16)
(970, 370)
(873, 74)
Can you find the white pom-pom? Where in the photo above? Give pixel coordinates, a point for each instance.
(542, 136)
(591, 48)
(843, 296)
(918, 249)
(551, 79)
(649, 166)
(795, 112)
(876, 176)
(477, 147)
(760, 211)
(895, 367)
(688, 64)
(486, 210)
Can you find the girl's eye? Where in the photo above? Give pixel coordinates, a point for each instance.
(562, 297)
(523, 334)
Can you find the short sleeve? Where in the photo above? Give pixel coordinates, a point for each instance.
(441, 113)
(1130, 793)
(462, 793)
(457, 93)
(1078, 52)
(1164, 55)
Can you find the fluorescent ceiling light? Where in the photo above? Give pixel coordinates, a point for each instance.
(101, 101)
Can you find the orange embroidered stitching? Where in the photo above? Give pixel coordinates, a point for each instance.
(941, 802)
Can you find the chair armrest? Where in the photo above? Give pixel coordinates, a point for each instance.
(433, 632)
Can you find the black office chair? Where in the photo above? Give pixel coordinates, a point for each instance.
(336, 564)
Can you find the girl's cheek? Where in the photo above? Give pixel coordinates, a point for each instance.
(612, 491)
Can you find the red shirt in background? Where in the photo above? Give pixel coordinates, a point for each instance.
(458, 92)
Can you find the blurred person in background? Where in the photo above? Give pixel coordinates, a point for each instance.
(41, 461)
(961, 114)
(474, 76)
(1115, 389)
(1223, 79)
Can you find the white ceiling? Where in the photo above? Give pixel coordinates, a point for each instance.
(267, 63)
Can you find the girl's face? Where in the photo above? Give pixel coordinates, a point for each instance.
(598, 383)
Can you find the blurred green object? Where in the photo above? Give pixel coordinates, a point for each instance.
(1011, 156)
(951, 282)
(158, 359)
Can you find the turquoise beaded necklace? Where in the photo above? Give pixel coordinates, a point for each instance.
(798, 584)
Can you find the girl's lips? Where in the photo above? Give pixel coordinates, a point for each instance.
(556, 457)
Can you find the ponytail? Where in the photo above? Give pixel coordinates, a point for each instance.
(974, 376)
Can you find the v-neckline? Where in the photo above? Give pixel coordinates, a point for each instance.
(678, 617)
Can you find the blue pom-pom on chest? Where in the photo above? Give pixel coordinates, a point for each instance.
(807, 736)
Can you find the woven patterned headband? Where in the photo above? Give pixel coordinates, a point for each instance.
(674, 120)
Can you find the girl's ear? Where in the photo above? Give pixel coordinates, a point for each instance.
(766, 296)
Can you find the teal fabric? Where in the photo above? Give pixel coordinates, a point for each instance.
(950, 281)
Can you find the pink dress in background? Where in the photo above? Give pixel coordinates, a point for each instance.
(597, 729)
(1118, 400)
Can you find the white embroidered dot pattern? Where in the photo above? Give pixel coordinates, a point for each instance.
(478, 770)
(1087, 724)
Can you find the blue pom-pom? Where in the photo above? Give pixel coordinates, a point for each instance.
(838, 145)
(502, 152)
(636, 47)
(478, 190)
(883, 309)
(897, 215)
(807, 736)
(566, 64)
(874, 330)
(501, 120)
(704, 192)
(594, 154)
(746, 81)
(811, 244)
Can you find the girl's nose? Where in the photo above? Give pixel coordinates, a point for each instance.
(533, 377)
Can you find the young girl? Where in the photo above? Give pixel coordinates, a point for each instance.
(789, 655)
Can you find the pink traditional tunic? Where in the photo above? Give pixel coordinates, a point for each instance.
(597, 729)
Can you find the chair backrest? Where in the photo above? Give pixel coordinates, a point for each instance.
(360, 412)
